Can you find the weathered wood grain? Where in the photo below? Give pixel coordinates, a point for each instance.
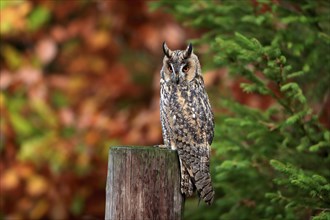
(143, 183)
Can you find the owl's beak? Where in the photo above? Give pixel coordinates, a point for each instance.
(175, 78)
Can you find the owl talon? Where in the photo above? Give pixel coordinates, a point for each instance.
(162, 146)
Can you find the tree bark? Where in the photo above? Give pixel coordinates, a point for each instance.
(143, 183)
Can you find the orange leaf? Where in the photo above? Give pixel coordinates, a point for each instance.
(9, 180)
(36, 185)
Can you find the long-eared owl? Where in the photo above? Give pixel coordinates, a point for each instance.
(187, 119)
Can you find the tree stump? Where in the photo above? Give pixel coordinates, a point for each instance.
(143, 183)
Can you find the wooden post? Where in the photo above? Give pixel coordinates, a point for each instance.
(143, 183)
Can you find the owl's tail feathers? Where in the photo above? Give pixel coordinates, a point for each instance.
(204, 187)
(199, 171)
(195, 172)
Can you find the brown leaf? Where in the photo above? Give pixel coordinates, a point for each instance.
(29, 75)
(6, 79)
(39, 210)
(174, 35)
(66, 116)
(46, 50)
(59, 34)
(9, 180)
(36, 185)
(99, 40)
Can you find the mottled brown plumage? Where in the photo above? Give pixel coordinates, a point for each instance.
(187, 119)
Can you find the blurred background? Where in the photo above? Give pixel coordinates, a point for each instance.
(79, 76)
(76, 78)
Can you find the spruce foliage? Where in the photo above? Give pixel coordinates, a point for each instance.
(273, 163)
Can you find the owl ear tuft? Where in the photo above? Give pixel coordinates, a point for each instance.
(188, 51)
(167, 50)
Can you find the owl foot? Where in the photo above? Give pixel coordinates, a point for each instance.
(162, 146)
(187, 187)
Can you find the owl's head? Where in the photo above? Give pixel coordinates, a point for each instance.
(180, 65)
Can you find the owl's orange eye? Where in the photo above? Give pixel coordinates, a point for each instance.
(169, 69)
(185, 68)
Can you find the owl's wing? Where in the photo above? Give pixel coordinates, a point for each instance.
(200, 108)
(193, 133)
(210, 121)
